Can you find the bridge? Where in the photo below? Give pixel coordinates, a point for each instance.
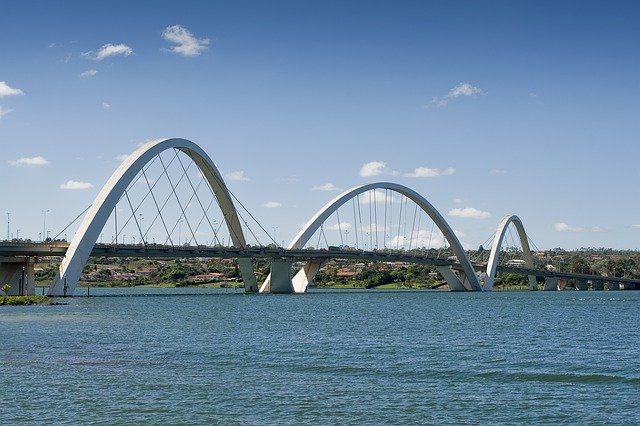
(412, 230)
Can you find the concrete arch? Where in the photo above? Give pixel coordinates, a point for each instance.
(492, 265)
(301, 280)
(87, 234)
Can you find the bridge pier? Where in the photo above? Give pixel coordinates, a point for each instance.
(582, 284)
(597, 285)
(281, 276)
(551, 284)
(306, 275)
(455, 283)
(19, 273)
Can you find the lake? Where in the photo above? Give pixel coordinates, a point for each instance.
(211, 356)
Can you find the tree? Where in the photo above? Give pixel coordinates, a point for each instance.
(5, 288)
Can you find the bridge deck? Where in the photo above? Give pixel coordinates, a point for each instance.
(59, 248)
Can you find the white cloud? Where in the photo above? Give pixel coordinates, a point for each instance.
(497, 172)
(106, 105)
(462, 89)
(237, 176)
(326, 187)
(6, 90)
(185, 43)
(457, 200)
(4, 111)
(635, 226)
(469, 212)
(29, 161)
(121, 157)
(72, 184)
(109, 50)
(89, 73)
(342, 226)
(272, 204)
(420, 172)
(379, 196)
(563, 227)
(375, 168)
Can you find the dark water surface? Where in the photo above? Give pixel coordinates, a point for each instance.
(332, 357)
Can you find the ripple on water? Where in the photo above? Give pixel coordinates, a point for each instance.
(326, 357)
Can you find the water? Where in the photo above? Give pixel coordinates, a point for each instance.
(328, 357)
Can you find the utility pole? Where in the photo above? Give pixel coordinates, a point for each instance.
(44, 224)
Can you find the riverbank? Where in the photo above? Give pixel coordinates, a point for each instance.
(25, 300)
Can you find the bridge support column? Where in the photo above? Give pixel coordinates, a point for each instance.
(19, 273)
(248, 277)
(614, 285)
(562, 283)
(582, 284)
(551, 284)
(281, 276)
(454, 282)
(597, 285)
(305, 276)
(533, 283)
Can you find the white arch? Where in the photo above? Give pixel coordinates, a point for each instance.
(492, 265)
(87, 234)
(305, 275)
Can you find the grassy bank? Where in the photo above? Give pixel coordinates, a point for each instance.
(25, 300)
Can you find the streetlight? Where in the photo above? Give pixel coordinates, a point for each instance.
(44, 223)
(141, 228)
(179, 231)
(8, 224)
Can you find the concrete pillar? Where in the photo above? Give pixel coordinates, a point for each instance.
(614, 285)
(19, 273)
(562, 283)
(597, 285)
(551, 284)
(533, 282)
(306, 275)
(455, 284)
(249, 278)
(281, 276)
(582, 284)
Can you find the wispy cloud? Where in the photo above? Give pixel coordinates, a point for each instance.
(272, 204)
(106, 105)
(73, 185)
(376, 168)
(4, 111)
(420, 172)
(462, 89)
(121, 157)
(6, 90)
(237, 176)
(327, 187)
(109, 50)
(469, 213)
(497, 172)
(29, 161)
(635, 226)
(563, 227)
(89, 73)
(342, 226)
(185, 42)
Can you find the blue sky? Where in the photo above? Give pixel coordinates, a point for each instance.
(522, 107)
